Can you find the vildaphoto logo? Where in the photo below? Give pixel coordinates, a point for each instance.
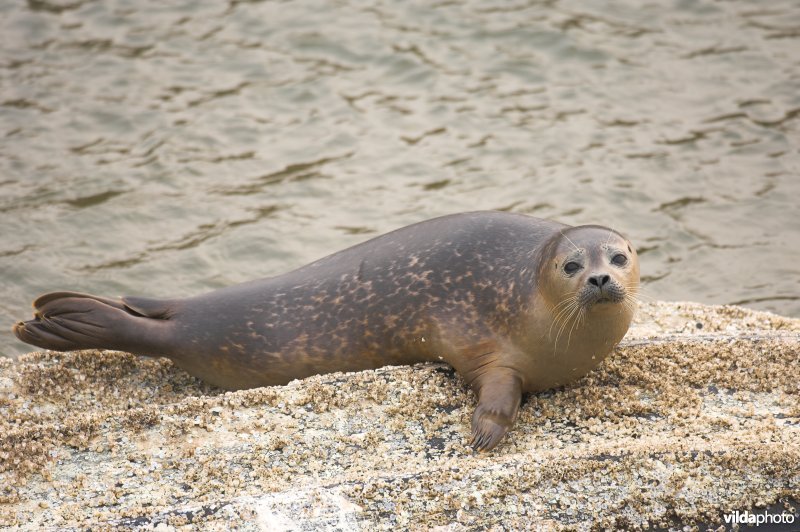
(750, 518)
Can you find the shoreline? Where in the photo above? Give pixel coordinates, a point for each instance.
(695, 415)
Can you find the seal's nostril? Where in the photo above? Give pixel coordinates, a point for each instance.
(599, 280)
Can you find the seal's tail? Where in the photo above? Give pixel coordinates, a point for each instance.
(66, 321)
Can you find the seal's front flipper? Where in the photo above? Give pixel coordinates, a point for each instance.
(499, 394)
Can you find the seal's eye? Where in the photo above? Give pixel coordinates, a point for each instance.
(571, 267)
(619, 260)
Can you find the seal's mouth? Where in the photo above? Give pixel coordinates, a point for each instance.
(592, 298)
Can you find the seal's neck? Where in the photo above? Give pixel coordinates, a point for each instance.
(576, 332)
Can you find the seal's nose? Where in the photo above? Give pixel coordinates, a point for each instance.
(599, 280)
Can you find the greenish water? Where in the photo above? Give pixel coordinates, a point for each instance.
(169, 148)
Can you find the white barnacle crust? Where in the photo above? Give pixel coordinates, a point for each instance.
(697, 420)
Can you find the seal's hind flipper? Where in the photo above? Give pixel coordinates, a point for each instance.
(41, 301)
(69, 320)
(66, 321)
(38, 333)
(158, 309)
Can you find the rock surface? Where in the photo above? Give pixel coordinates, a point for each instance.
(695, 415)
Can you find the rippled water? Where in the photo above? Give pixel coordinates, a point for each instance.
(168, 148)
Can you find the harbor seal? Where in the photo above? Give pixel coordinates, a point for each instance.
(514, 303)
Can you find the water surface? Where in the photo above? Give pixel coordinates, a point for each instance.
(169, 148)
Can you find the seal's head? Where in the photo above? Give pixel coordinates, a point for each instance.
(590, 269)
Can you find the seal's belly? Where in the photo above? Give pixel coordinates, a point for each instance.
(246, 350)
